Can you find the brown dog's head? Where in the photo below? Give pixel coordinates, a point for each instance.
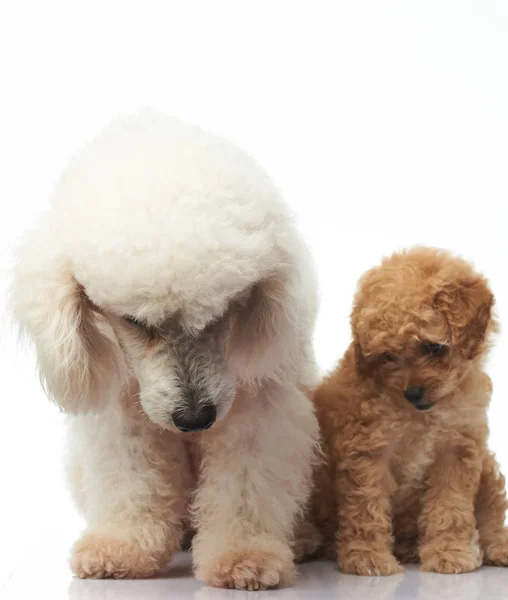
(419, 322)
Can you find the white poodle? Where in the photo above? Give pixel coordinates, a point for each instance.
(168, 293)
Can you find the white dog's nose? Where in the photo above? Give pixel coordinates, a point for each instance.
(187, 421)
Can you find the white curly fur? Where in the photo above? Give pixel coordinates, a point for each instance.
(163, 222)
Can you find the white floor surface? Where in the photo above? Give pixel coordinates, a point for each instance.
(44, 574)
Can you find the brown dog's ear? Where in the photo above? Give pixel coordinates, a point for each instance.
(467, 307)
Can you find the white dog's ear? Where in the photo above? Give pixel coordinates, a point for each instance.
(79, 361)
(264, 329)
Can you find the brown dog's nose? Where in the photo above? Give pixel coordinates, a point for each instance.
(414, 395)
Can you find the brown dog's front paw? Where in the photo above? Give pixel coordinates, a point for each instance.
(98, 556)
(368, 562)
(252, 569)
(452, 561)
(496, 552)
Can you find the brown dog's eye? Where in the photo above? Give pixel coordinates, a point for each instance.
(387, 357)
(435, 349)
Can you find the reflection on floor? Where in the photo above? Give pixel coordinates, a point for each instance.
(45, 574)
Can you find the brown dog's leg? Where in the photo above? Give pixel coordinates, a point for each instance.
(405, 525)
(322, 512)
(447, 523)
(491, 505)
(364, 536)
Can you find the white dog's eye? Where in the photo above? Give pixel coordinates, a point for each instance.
(141, 326)
(133, 321)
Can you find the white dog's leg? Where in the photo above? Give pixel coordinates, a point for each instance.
(255, 478)
(129, 480)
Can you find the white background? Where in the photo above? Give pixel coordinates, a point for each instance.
(384, 123)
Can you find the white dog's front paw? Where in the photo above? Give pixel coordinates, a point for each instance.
(251, 568)
(99, 556)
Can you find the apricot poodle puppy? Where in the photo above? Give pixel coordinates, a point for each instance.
(404, 420)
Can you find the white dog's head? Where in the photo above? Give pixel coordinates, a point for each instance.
(168, 257)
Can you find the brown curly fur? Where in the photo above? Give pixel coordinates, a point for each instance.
(401, 484)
